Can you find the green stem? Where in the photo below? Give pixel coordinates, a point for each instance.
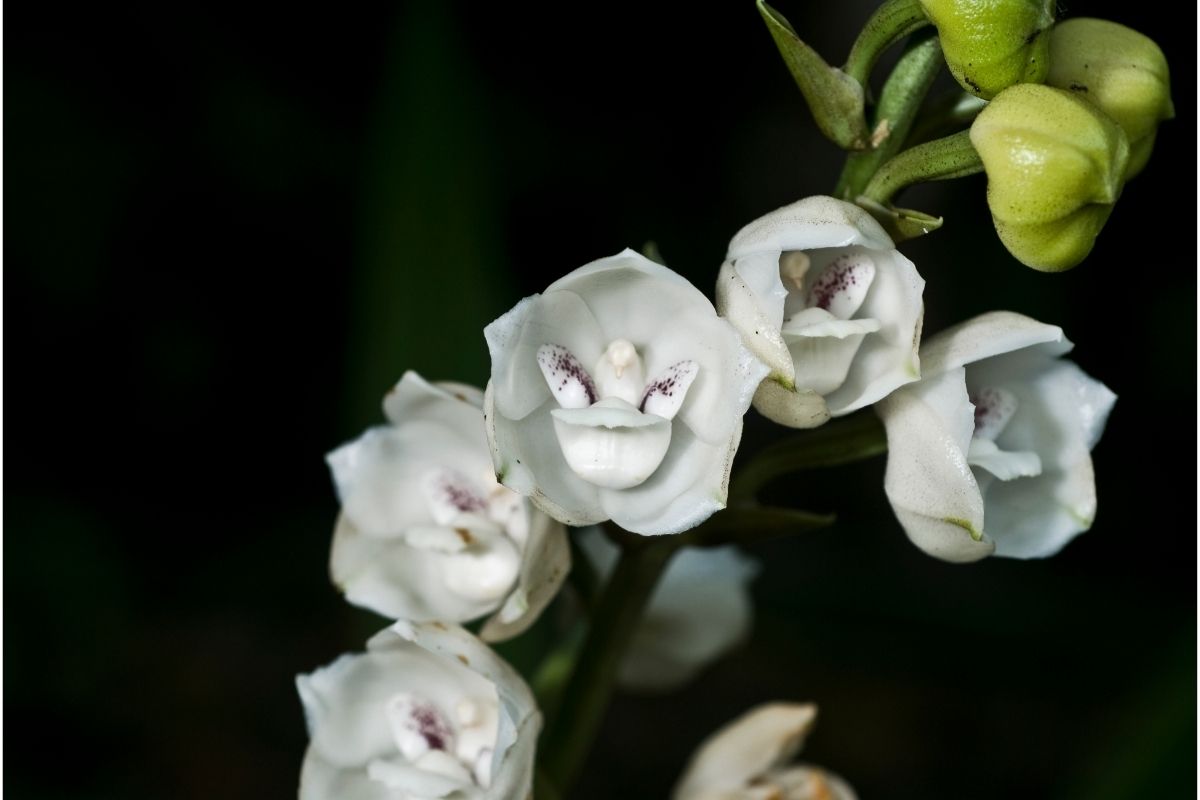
(945, 115)
(899, 101)
(840, 441)
(942, 159)
(891, 22)
(569, 737)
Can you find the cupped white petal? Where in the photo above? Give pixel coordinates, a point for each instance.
(320, 780)
(554, 488)
(745, 749)
(544, 568)
(757, 320)
(824, 349)
(841, 285)
(795, 408)
(990, 334)
(1003, 464)
(519, 716)
(418, 716)
(611, 444)
(1061, 411)
(413, 396)
(665, 393)
(806, 782)
(568, 381)
(810, 224)
(691, 484)
(395, 579)
(1037, 517)
(555, 318)
(888, 357)
(928, 481)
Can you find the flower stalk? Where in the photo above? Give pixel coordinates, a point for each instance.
(942, 159)
(569, 737)
(898, 104)
(890, 23)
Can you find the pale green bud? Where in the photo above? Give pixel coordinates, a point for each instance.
(1055, 167)
(1119, 70)
(993, 44)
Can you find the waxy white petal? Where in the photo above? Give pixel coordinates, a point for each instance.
(746, 748)
(568, 381)
(850, 266)
(648, 319)
(664, 395)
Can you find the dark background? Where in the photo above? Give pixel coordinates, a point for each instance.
(230, 231)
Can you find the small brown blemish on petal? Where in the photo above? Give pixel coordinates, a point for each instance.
(463, 659)
(465, 535)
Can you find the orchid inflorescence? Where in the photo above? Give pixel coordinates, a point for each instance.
(616, 400)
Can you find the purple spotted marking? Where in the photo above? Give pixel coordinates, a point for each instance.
(841, 276)
(664, 394)
(566, 376)
(993, 409)
(455, 490)
(425, 720)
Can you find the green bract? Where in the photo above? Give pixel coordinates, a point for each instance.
(1119, 70)
(992, 44)
(1055, 166)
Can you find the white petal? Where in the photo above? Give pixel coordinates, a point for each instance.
(746, 748)
(320, 780)
(664, 395)
(414, 781)
(795, 408)
(566, 378)
(817, 323)
(822, 362)
(809, 224)
(612, 444)
(555, 488)
(486, 571)
(841, 286)
(690, 485)
(806, 782)
(928, 481)
(994, 408)
(1061, 409)
(518, 711)
(544, 566)
(560, 318)
(988, 335)
(755, 317)
(1004, 464)
(346, 702)
(394, 579)
(449, 494)
(700, 609)
(413, 396)
(888, 358)
(1037, 517)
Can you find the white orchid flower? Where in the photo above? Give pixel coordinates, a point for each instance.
(700, 609)
(427, 712)
(990, 451)
(426, 533)
(819, 292)
(750, 759)
(618, 393)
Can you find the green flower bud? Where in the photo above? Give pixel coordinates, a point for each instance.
(992, 44)
(1055, 167)
(1119, 70)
